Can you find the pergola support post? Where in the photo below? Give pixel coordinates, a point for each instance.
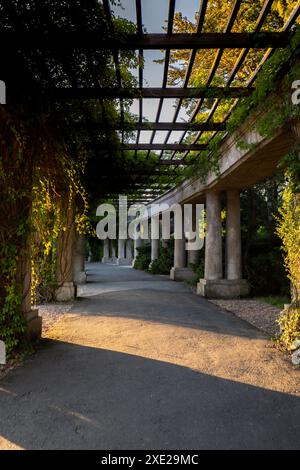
(32, 319)
(79, 275)
(64, 273)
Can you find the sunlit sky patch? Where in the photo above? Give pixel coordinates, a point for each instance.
(154, 17)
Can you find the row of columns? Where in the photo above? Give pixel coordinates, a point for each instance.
(215, 283)
(222, 275)
(124, 255)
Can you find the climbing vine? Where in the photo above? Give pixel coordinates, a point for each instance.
(15, 183)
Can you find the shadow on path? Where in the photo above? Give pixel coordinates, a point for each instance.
(76, 397)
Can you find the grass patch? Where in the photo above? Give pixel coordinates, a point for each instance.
(276, 301)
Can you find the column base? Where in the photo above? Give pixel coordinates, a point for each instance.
(34, 324)
(222, 288)
(181, 274)
(80, 277)
(65, 292)
(124, 261)
(105, 260)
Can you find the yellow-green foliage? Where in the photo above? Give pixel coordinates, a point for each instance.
(290, 326)
(288, 229)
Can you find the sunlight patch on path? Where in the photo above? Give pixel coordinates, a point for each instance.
(245, 360)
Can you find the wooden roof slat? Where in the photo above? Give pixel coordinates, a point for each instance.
(153, 147)
(158, 41)
(174, 126)
(116, 58)
(259, 23)
(200, 23)
(166, 63)
(111, 93)
(139, 23)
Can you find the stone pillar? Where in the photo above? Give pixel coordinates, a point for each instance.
(79, 275)
(214, 285)
(65, 250)
(154, 249)
(213, 241)
(193, 255)
(106, 258)
(137, 244)
(113, 252)
(122, 253)
(213, 270)
(129, 250)
(233, 236)
(178, 270)
(236, 286)
(121, 248)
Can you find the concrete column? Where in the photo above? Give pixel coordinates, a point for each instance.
(106, 258)
(137, 244)
(79, 275)
(213, 241)
(193, 255)
(179, 253)
(121, 249)
(129, 250)
(154, 249)
(113, 252)
(233, 236)
(180, 272)
(123, 253)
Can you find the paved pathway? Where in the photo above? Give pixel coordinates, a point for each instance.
(141, 362)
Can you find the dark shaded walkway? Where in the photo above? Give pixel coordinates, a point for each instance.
(140, 362)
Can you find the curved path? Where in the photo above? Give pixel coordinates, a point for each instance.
(140, 362)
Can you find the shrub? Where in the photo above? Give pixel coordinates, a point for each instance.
(288, 229)
(164, 263)
(143, 259)
(289, 322)
(198, 268)
(265, 270)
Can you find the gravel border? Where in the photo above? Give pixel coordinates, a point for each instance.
(259, 314)
(51, 313)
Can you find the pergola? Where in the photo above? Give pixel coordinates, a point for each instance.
(140, 41)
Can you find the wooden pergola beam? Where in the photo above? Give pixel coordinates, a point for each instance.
(114, 93)
(179, 147)
(95, 41)
(174, 126)
(178, 161)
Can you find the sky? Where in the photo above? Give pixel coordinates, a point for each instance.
(154, 15)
